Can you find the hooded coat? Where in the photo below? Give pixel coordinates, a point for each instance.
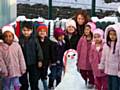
(110, 62)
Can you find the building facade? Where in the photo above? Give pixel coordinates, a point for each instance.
(8, 11)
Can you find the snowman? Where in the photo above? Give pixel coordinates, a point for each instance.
(71, 79)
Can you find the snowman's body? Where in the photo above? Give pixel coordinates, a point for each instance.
(71, 79)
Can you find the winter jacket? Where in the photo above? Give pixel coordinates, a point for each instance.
(58, 52)
(80, 30)
(110, 62)
(72, 42)
(46, 49)
(31, 49)
(15, 60)
(95, 57)
(3, 54)
(83, 49)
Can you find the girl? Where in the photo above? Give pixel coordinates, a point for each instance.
(95, 56)
(14, 60)
(3, 68)
(81, 18)
(45, 44)
(111, 56)
(71, 36)
(83, 49)
(58, 49)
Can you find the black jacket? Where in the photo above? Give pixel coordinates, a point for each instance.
(47, 51)
(72, 42)
(31, 49)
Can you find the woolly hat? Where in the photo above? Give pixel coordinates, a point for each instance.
(71, 22)
(92, 25)
(10, 29)
(98, 31)
(42, 27)
(58, 32)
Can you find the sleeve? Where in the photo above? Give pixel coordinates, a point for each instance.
(21, 61)
(79, 47)
(103, 58)
(119, 64)
(3, 67)
(39, 51)
(53, 53)
(91, 55)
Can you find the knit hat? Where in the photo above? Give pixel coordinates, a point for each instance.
(10, 29)
(98, 31)
(58, 32)
(71, 22)
(42, 27)
(92, 25)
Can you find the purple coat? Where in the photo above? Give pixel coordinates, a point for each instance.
(95, 57)
(83, 49)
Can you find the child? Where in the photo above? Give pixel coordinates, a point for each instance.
(83, 49)
(58, 50)
(111, 56)
(95, 56)
(14, 60)
(45, 44)
(3, 68)
(71, 36)
(71, 79)
(33, 56)
(81, 18)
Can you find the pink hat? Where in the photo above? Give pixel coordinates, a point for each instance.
(98, 31)
(92, 25)
(58, 32)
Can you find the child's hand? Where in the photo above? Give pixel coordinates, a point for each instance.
(39, 64)
(119, 74)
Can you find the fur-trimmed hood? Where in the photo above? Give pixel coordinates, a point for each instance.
(116, 27)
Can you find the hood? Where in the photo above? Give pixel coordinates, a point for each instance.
(116, 27)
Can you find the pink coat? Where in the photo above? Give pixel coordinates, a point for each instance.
(110, 62)
(15, 60)
(3, 67)
(83, 49)
(95, 57)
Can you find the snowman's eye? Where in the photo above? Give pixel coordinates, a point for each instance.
(74, 54)
(68, 55)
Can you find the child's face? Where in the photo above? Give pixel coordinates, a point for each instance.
(87, 31)
(8, 37)
(70, 29)
(26, 32)
(61, 38)
(112, 35)
(42, 33)
(80, 19)
(97, 38)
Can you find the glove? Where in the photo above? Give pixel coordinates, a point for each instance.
(119, 74)
(101, 66)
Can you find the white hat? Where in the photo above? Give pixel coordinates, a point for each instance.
(71, 22)
(11, 29)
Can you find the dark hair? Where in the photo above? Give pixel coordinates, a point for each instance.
(27, 24)
(88, 26)
(1, 37)
(108, 41)
(84, 14)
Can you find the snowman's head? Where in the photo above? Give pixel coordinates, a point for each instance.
(70, 57)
